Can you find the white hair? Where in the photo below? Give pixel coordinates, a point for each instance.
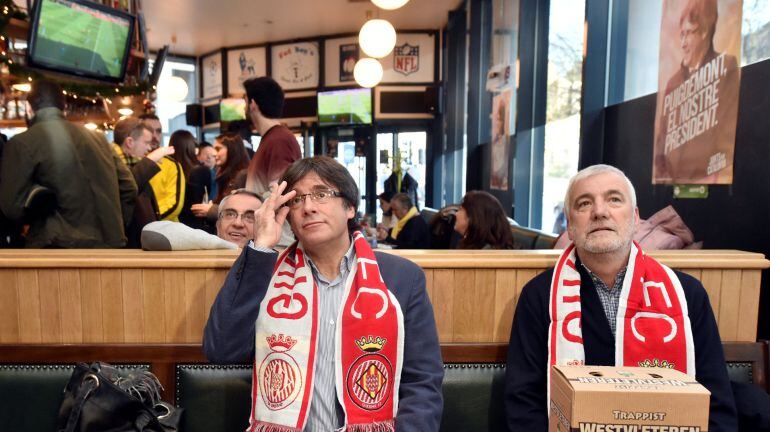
(590, 172)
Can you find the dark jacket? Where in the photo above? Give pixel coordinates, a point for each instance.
(229, 333)
(146, 206)
(94, 192)
(198, 183)
(414, 235)
(525, 392)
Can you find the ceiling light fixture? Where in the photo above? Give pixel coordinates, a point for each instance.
(22, 87)
(377, 38)
(173, 88)
(389, 4)
(368, 72)
(125, 111)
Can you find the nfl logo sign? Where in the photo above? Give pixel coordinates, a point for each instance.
(406, 59)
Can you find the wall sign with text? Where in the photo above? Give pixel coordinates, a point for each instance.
(295, 66)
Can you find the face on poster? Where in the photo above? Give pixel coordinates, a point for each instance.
(499, 153)
(243, 64)
(697, 103)
(211, 73)
(295, 66)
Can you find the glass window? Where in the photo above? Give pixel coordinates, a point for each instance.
(171, 111)
(564, 84)
(755, 31)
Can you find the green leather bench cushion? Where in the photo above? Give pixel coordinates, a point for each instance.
(217, 398)
(30, 395)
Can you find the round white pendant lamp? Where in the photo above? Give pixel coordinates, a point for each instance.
(389, 4)
(377, 38)
(368, 72)
(173, 88)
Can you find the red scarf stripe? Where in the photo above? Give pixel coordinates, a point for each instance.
(571, 282)
(311, 362)
(554, 303)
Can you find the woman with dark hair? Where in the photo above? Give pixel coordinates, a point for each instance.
(197, 177)
(231, 161)
(482, 223)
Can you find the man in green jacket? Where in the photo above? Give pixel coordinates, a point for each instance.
(93, 192)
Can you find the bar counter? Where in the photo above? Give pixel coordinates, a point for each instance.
(132, 296)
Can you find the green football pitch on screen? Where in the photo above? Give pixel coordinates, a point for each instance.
(70, 35)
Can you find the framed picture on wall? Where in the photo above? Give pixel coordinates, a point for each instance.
(296, 65)
(243, 64)
(211, 75)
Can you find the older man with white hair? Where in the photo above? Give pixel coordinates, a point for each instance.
(607, 303)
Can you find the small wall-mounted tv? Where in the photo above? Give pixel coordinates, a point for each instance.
(345, 107)
(81, 38)
(232, 109)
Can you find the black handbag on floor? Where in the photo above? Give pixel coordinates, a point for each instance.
(98, 398)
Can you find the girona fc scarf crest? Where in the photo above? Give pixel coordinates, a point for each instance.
(652, 325)
(369, 344)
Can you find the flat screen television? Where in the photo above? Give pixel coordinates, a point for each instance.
(232, 109)
(81, 38)
(345, 107)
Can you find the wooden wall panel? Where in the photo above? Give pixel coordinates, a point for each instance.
(443, 303)
(712, 282)
(154, 312)
(29, 306)
(9, 312)
(505, 302)
(91, 305)
(50, 312)
(133, 306)
(729, 305)
(130, 298)
(748, 312)
(112, 305)
(71, 311)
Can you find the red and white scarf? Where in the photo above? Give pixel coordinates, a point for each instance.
(652, 324)
(369, 344)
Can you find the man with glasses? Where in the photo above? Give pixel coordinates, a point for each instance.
(340, 336)
(236, 217)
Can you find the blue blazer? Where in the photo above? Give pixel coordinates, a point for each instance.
(229, 334)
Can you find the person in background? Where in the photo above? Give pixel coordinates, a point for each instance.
(411, 231)
(91, 194)
(389, 220)
(231, 161)
(236, 216)
(327, 297)
(197, 177)
(481, 223)
(207, 157)
(605, 282)
(153, 122)
(243, 128)
(133, 141)
(278, 148)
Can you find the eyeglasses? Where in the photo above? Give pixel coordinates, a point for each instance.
(229, 215)
(320, 196)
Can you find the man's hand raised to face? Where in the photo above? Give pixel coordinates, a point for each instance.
(269, 218)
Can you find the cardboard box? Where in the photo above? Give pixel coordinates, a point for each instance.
(626, 399)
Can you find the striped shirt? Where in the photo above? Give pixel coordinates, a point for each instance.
(610, 297)
(323, 407)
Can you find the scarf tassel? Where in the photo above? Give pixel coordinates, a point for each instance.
(384, 426)
(272, 427)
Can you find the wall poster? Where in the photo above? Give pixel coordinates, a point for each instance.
(295, 66)
(500, 146)
(243, 64)
(211, 75)
(698, 82)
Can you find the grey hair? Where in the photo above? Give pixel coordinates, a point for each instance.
(241, 191)
(590, 172)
